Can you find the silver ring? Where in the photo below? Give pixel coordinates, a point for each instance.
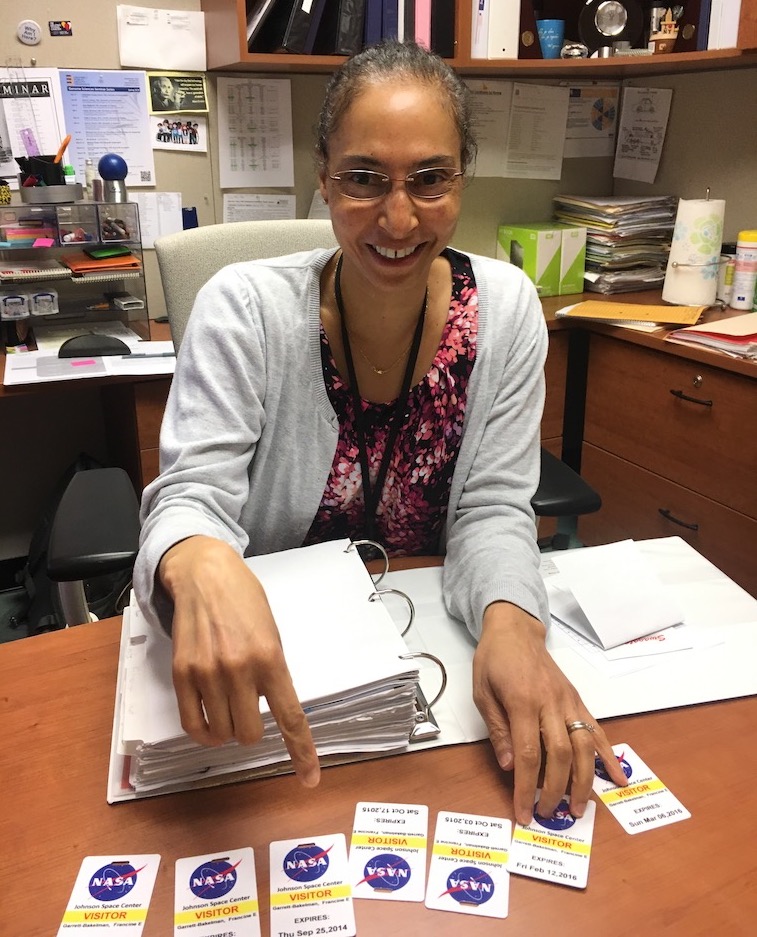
(575, 726)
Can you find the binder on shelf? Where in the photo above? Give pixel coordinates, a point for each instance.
(423, 23)
(302, 27)
(443, 28)
(374, 17)
(390, 19)
(409, 20)
(504, 31)
(273, 29)
(479, 37)
(342, 28)
(256, 16)
(353, 672)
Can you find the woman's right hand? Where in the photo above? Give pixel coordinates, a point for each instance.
(227, 653)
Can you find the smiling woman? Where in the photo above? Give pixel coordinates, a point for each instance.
(391, 388)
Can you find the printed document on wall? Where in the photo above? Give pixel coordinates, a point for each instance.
(106, 112)
(247, 206)
(592, 119)
(255, 132)
(31, 116)
(490, 103)
(536, 138)
(641, 135)
(159, 214)
(149, 38)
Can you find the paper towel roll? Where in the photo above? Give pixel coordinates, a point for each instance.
(691, 278)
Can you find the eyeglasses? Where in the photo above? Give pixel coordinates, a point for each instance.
(365, 184)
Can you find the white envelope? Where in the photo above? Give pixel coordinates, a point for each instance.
(610, 594)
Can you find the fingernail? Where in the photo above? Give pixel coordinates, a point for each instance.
(578, 810)
(310, 777)
(506, 761)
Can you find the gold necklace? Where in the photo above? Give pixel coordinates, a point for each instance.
(389, 367)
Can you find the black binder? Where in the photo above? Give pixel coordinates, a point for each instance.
(290, 26)
(341, 29)
(443, 28)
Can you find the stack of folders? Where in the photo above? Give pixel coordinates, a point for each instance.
(736, 336)
(627, 238)
(345, 655)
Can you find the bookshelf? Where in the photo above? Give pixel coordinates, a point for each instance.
(225, 23)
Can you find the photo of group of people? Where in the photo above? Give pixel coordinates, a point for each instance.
(174, 132)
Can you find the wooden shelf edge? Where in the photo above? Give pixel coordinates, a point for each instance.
(613, 68)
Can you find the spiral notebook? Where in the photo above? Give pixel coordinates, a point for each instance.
(345, 654)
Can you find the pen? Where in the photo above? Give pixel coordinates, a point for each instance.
(152, 354)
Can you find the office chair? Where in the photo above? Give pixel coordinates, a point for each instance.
(95, 531)
(189, 258)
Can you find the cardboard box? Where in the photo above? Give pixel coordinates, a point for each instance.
(572, 259)
(536, 249)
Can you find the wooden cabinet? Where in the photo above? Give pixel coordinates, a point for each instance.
(671, 445)
(133, 414)
(225, 27)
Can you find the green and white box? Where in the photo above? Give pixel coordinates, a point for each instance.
(572, 259)
(536, 249)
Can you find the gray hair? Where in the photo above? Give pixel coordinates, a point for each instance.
(383, 62)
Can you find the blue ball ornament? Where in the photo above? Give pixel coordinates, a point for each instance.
(112, 167)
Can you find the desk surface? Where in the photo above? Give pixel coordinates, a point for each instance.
(56, 704)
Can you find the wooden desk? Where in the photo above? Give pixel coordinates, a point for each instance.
(692, 878)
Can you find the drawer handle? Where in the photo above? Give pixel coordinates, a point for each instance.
(681, 396)
(670, 517)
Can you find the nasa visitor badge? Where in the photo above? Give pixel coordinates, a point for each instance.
(556, 848)
(468, 871)
(646, 803)
(310, 891)
(217, 894)
(388, 851)
(111, 895)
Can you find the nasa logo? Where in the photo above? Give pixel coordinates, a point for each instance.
(386, 872)
(114, 881)
(561, 819)
(306, 862)
(601, 771)
(469, 885)
(213, 879)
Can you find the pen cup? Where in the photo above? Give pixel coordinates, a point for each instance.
(551, 35)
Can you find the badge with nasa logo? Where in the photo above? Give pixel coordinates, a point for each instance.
(310, 890)
(111, 892)
(646, 803)
(217, 894)
(468, 871)
(555, 849)
(388, 851)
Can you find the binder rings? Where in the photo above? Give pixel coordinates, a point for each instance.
(349, 665)
(341, 29)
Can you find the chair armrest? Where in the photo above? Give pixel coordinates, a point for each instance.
(562, 492)
(96, 526)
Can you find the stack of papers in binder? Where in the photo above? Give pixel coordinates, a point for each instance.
(345, 655)
(627, 238)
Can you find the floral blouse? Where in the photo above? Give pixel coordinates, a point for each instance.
(413, 504)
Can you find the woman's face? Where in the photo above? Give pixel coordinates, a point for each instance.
(396, 128)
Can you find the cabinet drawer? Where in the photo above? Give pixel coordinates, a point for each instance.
(633, 412)
(632, 500)
(149, 463)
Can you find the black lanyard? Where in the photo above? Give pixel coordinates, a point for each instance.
(371, 495)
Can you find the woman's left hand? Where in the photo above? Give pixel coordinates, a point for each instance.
(527, 704)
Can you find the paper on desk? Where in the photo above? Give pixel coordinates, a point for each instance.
(41, 367)
(610, 594)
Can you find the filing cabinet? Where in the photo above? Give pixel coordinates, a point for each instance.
(671, 445)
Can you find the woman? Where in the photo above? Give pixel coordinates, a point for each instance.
(393, 359)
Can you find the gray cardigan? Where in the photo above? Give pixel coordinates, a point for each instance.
(249, 434)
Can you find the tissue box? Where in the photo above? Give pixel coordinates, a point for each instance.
(536, 249)
(572, 259)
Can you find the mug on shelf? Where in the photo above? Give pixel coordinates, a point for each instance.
(551, 35)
